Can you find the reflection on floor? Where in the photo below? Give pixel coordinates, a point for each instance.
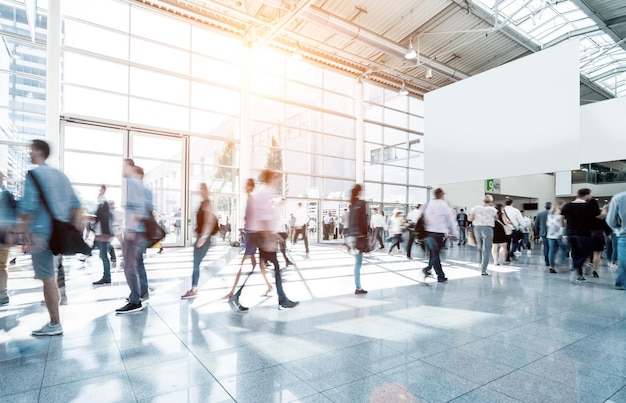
(521, 334)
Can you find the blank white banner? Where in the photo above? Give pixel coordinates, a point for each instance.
(603, 131)
(521, 118)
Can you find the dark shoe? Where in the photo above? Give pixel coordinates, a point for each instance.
(235, 305)
(360, 291)
(442, 280)
(160, 251)
(4, 300)
(13, 261)
(129, 308)
(595, 274)
(484, 273)
(289, 263)
(102, 281)
(552, 270)
(144, 297)
(287, 304)
(619, 287)
(581, 278)
(427, 273)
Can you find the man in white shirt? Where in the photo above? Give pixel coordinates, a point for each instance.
(440, 224)
(377, 223)
(518, 222)
(412, 219)
(302, 219)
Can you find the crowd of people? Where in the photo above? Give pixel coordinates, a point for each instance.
(580, 229)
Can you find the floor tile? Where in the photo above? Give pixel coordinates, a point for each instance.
(21, 379)
(82, 367)
(469, 366)
(105, 388)
(370, 389)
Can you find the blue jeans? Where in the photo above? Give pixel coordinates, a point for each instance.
(484, 240)
(621, 256)
(358, 261)
(103, 247)
(434, 242)
(141, 268)
(554, 246)
(271, 257)
(581, 250)
(615, 249)
(546, 250)
(132, 249)
(198, 254)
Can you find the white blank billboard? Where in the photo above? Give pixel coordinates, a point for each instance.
(521, 118)
(603, 131)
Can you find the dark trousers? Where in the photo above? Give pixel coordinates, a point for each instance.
(271, 257)
(378, 236)
(132, 248)
(302, 230)
(409, 244)
(434, 242)
(546, 250)
(580, 249)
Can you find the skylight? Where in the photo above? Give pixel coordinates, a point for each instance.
(546, 23)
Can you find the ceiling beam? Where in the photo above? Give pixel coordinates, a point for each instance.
(283, 22)
(591, 13)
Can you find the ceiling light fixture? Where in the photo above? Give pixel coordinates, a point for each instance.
(403, 90)
(429, 72)
(410, 53)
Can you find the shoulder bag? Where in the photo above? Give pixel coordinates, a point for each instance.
(65, 238)
(154, 232)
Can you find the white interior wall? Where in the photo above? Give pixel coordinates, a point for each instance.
(602, 127)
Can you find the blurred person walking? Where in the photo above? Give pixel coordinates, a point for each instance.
(616, 218)
(483, 220)
(358, 233)
(440, 224)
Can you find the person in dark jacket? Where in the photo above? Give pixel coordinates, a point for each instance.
(358, 230)
(541, 231)
(104, 233)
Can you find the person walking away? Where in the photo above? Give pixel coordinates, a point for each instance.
(616, 219)
(205, 222)
(577, 218)
(439, 223)
(358, 229)
(302, 220)
(134, 235)
(541, 230)
(251, 241)
(412, 218)
(104, 232)
(36, 219)
(377, 223)
(483, 220)
(396, 229)
(7, 237)
(500, 250)
(462, 219)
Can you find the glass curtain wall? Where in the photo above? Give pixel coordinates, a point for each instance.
(129, 66)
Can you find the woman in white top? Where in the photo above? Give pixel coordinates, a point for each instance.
(483, 219)
(555, 236)
(396, 229)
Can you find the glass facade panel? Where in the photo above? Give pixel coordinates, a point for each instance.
(95, 73)
(102, 105)
(94, 39)
(337, 189)
(215, 71)
(302, 163)
(373, 113)
(94, 139)
(303, 72)
(394, 136)
(416, 177)
(158, 27)
(373, 172)
(216, 45)
(158, 56)
(418, 195)
(214, 98)
(156, 114)
(340, 147)
(216, 124)
(396, 118)
(338, 167)
(266, 110)
(338, 103)
(339, 83)
(392, 174)
(303, 186)
(266, 84)
(157, 86)
(373, 133)
(339, 125)
(372, 191)
(79, 167)
(108, 13)
(303, 94)
(395, 193)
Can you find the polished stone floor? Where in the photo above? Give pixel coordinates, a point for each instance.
(521, 334)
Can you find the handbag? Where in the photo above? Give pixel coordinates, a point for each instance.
(471, 238)
(154, 232)
(507, 228)
(363, 244)
(65, 238)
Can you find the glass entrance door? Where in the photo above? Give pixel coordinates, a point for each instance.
(162, 158)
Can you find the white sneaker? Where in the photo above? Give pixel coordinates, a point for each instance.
(48, 330)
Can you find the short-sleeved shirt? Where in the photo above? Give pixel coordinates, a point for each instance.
(484, 216)
(579, 218)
